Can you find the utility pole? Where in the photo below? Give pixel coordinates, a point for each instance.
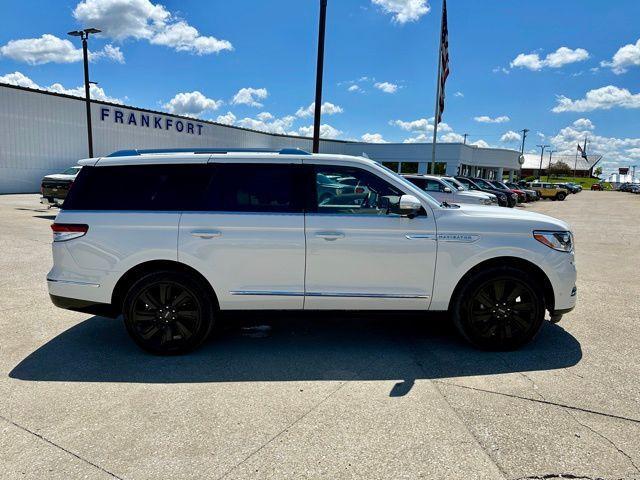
(551, 152)
(524, 136)
(541, 147)
(465, 138)
(319, 69)
(84, 35)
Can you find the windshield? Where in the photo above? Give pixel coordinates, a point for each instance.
(449, 184)
(71, 171)
(500, 184)
(461, 186)
(483, 183)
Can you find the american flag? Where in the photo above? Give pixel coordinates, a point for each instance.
(444, 59)
(582, 152)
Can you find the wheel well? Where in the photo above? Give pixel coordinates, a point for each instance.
(515, 262)
(133, 274)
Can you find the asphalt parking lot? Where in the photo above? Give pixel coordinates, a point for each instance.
(385, 397)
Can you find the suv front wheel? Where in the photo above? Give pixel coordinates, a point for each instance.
(168, 313)
(501, 308)
(561, 196)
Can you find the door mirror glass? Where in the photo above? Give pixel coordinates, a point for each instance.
(410, 206)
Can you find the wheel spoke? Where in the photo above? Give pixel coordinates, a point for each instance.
(144, 315)
(498, 289)
(167, 335)
(485, 299)
(188, 314)
(165, 290)
(522, 306)
(521, 322)
(516, 291)
(183, 329)
(150, 332)
(181, 298)
(148, 299)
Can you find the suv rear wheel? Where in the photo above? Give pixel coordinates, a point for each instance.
(501, 308)
(561, 195)
(168, 313)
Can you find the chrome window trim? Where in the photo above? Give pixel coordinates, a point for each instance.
(71, 282)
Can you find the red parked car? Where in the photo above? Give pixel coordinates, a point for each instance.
(596, 186)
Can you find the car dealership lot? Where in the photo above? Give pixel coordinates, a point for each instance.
(325, 396)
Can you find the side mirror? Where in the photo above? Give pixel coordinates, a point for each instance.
(410, 206)
(447, 190)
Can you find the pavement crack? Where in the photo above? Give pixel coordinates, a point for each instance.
(550, 476)
(546, 402)
(60, 447)
(283, 431)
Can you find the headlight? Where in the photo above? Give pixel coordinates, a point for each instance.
(486, 201)
(560, 241)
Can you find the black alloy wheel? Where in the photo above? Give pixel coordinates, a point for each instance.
(561, 196)
(168, 313)
(499, 309)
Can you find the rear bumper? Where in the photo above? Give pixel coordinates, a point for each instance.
(84, 306)
(51, 201)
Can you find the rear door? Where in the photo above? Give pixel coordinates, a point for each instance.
(361, 254)
(248, 237)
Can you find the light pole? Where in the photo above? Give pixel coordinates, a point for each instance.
(551, 152)
(84, 35)
(319, 68)
(541, 147)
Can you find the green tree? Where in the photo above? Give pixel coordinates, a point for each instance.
(598, 171)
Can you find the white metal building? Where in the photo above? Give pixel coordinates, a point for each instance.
(44, 132)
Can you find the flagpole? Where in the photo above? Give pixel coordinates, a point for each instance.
(437, 113)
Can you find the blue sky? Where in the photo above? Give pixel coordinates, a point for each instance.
(561, 69)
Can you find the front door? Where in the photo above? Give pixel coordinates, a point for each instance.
(361, 253)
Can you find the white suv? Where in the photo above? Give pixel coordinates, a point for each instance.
(168, 239)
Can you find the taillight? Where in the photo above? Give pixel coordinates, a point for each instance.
(359, 190)
(68, 231)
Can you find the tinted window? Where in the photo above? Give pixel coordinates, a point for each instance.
(418, 182)
(362, 192)
(219, 187)
(258, 188)
(433, 186)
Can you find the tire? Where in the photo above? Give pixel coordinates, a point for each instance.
(168, 313)
(489, 317)
(561, 196)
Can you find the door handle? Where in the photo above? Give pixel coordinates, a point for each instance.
(207, 234)
(421, 236)
(330, 236)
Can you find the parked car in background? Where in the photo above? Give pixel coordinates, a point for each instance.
(532, 195)
(171, 240)
(596, 186)
(522, 197)
(570, 187)
(550, 190)
(444, 191)
(624, 187)
(329, 187)
(54, 187)
(503, 199)
(460, 186)
(635, 188)
(511, 196)
(576, 185)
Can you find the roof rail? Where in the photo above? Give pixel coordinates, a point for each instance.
(134, 152)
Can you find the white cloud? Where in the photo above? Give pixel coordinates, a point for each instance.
(36, 51)
(510, 137)
(354, 88)
(386, 87)
(506, 71)
(603, 98)
(458, 94)
(250, 96)
(422, 125)
(276, 125)
(95, 92)
(480, 143)
(141, 19)
(633, 153)
(625, 57)
(404, 11)
(51, 49)
(17, 78)
(584, 123)
(226, 119)
(326, 108)
(562, 56)
(326, 131)
(191, 103)
(487, 119)
(452, 137)
(373, 138)
(264, 116)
